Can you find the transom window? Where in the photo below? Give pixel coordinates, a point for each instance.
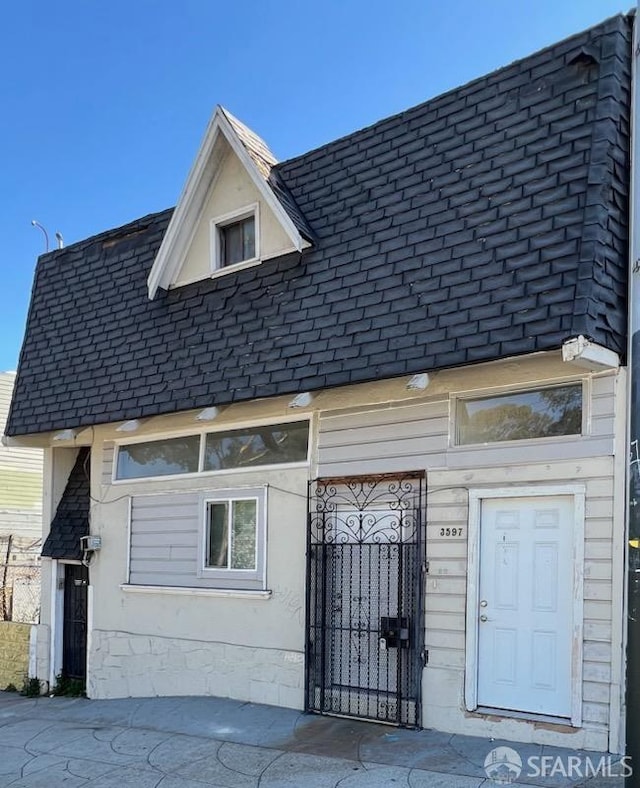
(536, 413)
(238, 242)
(159, 458)
(251, 447)
(269, 445)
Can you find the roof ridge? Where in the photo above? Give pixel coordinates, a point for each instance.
(266, 163)
(105, 234)
(255, 139)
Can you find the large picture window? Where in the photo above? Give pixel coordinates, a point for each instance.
(537, 413)
(251, 447)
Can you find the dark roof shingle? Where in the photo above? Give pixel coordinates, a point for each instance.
(486, 223)
(71, 520)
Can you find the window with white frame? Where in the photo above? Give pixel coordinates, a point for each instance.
(235, 238)
(247, 447)
(167, 457)
(548, 412)
(232, 538)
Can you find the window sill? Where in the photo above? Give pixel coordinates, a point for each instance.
(239, 593)
(519, 442)
(229, 269)
(204, 474)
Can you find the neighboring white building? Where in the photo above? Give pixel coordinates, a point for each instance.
(348, 432)
(20, 478)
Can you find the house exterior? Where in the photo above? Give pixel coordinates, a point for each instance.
(348, 432)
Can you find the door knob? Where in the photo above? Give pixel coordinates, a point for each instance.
(483, 603)
(483, 618)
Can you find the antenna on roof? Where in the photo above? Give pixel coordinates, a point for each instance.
(60, 240)
(46, 234)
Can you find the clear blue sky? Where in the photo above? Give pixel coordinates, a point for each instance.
(104, 103)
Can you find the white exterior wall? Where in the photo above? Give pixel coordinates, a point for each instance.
(193, 641)
(20, 478)
(168, 641)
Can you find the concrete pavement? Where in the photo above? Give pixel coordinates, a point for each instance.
(200, 742)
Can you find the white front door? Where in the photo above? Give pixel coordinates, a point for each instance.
(525, 604)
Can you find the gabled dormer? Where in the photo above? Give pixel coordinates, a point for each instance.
(234, 211)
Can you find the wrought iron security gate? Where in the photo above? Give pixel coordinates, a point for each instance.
(365, 562)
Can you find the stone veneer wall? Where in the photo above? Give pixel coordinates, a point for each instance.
(14, 653)
(126, 665)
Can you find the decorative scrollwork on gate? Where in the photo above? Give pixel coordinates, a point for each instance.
(382, 509)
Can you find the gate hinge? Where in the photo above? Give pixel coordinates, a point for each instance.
(425, 567)
(424, 654)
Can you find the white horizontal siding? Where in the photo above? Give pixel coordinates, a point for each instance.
(163, 547)
(15, 457)
(447, 578)
(164, 540)
(108, 458)
(602, 405)
(21, 472)
(380, 441)
(416, 437)
(29, 460)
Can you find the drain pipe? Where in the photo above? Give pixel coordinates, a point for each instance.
(633, 363)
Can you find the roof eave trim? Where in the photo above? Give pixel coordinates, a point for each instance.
(298, 241)
(178, 235)
(173, 241)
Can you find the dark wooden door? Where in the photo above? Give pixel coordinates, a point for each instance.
(74, 631)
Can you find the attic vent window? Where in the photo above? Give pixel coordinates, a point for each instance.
(235, 239)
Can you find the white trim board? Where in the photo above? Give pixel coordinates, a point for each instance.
(476, 497)
(175, 244)
(186, 591)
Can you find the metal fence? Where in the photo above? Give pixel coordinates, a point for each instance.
(20, 579)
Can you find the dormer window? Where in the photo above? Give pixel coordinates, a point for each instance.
(235, 211)
(238, 241)
(235, 239)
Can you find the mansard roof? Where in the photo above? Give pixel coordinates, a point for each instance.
(488, 222)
